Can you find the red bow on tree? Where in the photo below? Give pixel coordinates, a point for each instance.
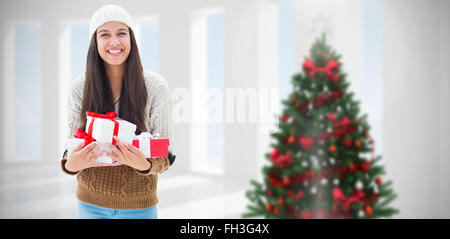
(283, 160)
(343, 128)
(329, 70)
(274, 180)
(296, 196)
(344, 201)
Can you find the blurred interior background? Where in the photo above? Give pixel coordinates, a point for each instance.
(394, 51)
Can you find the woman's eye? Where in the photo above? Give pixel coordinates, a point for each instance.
(103, 35)
(123, 33)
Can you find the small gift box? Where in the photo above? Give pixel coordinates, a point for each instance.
(151, 145)
(74, 142)
(103, 127)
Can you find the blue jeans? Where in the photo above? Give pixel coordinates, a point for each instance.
(89, 211)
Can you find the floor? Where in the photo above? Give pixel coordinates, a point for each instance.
(45, 192)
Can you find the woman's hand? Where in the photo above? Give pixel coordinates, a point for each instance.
(129, 155)
(81, 158)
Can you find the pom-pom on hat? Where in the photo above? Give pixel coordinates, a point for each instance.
(109, 13)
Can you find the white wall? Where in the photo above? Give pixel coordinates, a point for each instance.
(415, 62)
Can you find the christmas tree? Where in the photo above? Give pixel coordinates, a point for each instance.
(322, 163)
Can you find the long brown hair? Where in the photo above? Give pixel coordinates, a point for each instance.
(97, 94)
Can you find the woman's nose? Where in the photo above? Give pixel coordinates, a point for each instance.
(114, 41)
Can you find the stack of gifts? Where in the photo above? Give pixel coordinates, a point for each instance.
(102, 128)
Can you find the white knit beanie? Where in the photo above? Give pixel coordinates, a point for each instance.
(109, 13)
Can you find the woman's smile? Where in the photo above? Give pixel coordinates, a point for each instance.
(115, 52)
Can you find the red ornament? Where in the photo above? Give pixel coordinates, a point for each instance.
(291, 139)
(365, 167)
(368, 210)
(331, 117)
(335, 94)
(284, 118)
(276, 211)
(275, 153)
(357, 144)
(335, 78)
(348, 142)
(280, 201)
(332, 149)
(287, 158)
(268, 207)
(269, 193)
(293, 97)
(306, 142)
(303, 106)
(379, 180)
(320, 100)
(286, 181)
(352, 167)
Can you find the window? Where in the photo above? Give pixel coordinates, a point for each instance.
(215, 136)
(79, 46)
(207, 90)
(373, 81)
(148, 40)
(23, 117)
(286, 47)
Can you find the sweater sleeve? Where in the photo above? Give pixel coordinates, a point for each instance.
(157, 166)
(74, 100)
(160, 112)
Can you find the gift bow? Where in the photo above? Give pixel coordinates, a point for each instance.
(329, 70)
(81, 134)
(344, 201)
(147, 135)
(110, 116)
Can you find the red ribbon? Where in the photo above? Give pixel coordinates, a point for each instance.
(110, 115)
(329, 70)
(283, 160)
(81, 134)
(345, 201)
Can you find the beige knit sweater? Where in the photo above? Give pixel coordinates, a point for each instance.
(123, 187)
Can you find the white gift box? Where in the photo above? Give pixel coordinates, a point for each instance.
(151, 145)
(144, 143)
(74, 142)
(103, 130)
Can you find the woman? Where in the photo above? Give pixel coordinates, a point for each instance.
(115, 81)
